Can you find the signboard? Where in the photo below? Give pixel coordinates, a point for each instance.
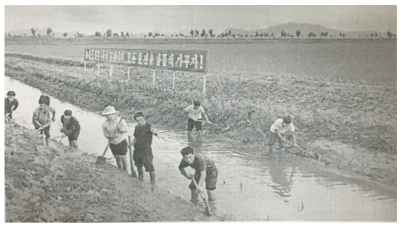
(179, 60)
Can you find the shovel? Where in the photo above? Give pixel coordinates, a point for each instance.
(310, 153)
(133, 174)
(204, 199)
(101, 159)
(224, 128)
(61, 137)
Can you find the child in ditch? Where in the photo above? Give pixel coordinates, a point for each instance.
(194, 113)
(115, 129)
(143, 157)
(11, 104)
(205, 171)
(278, 128)
(71, 128)
(42, 118)
(48, 102)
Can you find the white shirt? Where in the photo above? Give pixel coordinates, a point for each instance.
(114, 132)
(194, 114)
(277, 125)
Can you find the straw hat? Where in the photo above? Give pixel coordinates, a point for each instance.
(109, 110)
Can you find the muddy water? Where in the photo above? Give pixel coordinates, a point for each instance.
(252, 184)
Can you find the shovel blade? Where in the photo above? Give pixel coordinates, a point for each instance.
(100, 160)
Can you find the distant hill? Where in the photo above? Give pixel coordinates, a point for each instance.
(305, 29)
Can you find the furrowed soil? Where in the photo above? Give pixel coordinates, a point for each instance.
(352, 126)
(54, 184)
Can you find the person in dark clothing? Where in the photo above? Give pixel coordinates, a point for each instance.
(71, 128)
(143, 134)
(11, 104)
(205, 172)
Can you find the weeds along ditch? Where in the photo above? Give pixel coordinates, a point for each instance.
(354, 114)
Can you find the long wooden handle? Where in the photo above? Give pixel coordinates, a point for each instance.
(296, 146)
(131, 159)
(201, 195)
(44, 126)
(105, 150)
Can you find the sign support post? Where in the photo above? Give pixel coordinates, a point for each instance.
(173, 80)
(98, 69)
(153, 78)
(204, 85)
(128, 73)
(84, 66)
(111, 71)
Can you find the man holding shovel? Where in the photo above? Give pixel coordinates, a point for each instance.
(279, 127)
(115, 129)
(194, 113)
(205, 172)
(71, 128)
(143, 134)
(42, 118)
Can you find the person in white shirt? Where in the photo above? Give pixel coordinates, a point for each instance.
(194, 113)
(115, 129)
(279, 127)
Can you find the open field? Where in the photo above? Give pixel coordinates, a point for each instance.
(371, 62)
(350, 121)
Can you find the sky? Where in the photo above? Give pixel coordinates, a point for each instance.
(172, 19)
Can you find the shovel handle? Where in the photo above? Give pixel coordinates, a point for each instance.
(297, 147)
(105, 150)
(201, 195)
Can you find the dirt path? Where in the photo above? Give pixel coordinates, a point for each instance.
(57, 185)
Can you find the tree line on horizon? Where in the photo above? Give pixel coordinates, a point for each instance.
(195, 33)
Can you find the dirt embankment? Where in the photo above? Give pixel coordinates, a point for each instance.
(53, 184)
(352, 126)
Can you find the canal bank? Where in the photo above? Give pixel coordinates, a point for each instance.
(252, 185)
(54, 184)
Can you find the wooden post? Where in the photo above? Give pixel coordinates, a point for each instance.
(153, 77)
(204, 85)
(98, 69)
(84, 66)
(111, 71)
(173, 80)
(128, 73)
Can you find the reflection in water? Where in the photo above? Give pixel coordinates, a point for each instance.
(280, 175)
(252, 184)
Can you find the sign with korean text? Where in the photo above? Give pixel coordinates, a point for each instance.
(179, 60)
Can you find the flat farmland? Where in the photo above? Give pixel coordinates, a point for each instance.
(340, 93)
(371, 62)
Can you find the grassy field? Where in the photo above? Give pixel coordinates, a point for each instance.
(360, 61)
(341, 95)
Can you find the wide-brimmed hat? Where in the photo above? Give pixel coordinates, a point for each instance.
(109, 110)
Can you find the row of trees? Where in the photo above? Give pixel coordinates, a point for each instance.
(203, 34)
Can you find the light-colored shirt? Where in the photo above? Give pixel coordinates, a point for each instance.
(194, 114)
(277, 125)
(115, 132)
(41, 116)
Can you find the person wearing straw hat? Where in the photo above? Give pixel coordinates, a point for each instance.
(115, 129)
(71, 128)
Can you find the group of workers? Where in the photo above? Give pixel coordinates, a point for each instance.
(115, 130)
